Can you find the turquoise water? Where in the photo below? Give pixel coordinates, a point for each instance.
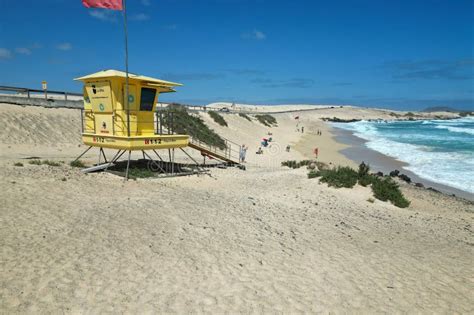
(438, 150)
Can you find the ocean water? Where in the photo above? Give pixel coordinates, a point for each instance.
(441, 151)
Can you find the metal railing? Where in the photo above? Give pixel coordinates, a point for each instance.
(231, 150)
(164, 124)
(27, 92)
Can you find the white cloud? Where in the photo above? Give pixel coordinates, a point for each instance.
(103, 15)
(64, 46)
(171, 27)
(23, 50)
(259, 35)
(146, 3)
(5, 53)
(255, 34)
(139, 17)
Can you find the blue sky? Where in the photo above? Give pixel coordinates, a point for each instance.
(395, 54)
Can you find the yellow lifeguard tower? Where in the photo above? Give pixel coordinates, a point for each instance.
(108, 122)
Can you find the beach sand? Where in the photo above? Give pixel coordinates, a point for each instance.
(264, 240)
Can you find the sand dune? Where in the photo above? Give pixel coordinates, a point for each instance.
(265, 240)
(340, 111)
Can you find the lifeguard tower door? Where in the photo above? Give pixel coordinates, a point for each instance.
(100, 96)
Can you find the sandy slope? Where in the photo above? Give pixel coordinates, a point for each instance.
(348, 111)
(262, 240)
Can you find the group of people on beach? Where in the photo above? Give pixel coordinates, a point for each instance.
(298, 129)
(266, 142)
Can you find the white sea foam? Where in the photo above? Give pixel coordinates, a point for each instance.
(452, 169)
(456, 129)
(455, 169)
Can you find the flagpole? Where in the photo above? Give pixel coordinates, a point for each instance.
(126, 65)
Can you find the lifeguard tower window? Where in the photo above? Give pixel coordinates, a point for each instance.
(147, 98)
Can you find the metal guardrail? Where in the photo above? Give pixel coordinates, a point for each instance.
(192, 108)
(29, 91)
(230, 152)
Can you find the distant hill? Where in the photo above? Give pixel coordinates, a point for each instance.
(441, 109)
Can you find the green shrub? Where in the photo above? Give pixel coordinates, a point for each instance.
(305, 162)
(218, 118)
(321, 165)
(409, 114)
(51, 163)
(77, 163)
(267, 120)
(245, 116)
(44, 162)
(363, 170)
(340, 177)
(18, 164)
(314, 174)
(184, 123)
(295, 164)
(386, 189)
(289, 163)
(366, 180)
(140, 172)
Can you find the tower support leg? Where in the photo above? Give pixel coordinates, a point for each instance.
(128, 165)
(115, 158)
(172, 163)
(153, 162)
(103, 154)
(192, 159)
(82, 154)
(158, 155)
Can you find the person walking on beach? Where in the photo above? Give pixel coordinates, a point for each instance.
(316, 152)
(288, 148)
(302, 129)
(243, 153)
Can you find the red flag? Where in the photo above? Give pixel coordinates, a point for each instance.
(104, 4)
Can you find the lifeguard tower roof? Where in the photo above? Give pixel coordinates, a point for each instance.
(165, 86)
